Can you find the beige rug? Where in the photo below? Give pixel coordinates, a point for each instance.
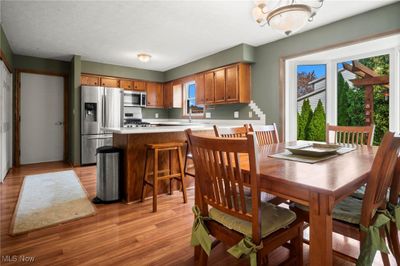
(49, 199)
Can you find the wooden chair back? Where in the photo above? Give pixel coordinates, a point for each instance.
(358, 135)
(218, 172)
(380, 177)
(232, 132)
(266, 134)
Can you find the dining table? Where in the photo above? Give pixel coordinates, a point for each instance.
(319, 185)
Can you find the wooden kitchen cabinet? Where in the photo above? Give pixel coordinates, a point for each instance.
(90, 80)
(155, 95)
(232, 83)
(199, 80)
(139, 85)
(126, 84)
(168, 95)
(109, 82)
(219, 86)
(209, 87)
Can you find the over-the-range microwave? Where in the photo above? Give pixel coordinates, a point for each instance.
(134, 98)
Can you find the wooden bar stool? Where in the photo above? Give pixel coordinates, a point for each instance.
(160, 174)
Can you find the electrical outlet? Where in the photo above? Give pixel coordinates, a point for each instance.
(156, 115)
(208, 115)
(250, 114)
(236, 114)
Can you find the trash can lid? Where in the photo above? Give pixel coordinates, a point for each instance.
(108, 149)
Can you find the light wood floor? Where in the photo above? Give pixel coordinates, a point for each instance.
(118, 234)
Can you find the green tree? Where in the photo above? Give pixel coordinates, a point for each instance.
(343, 90)
(303, 120)
(317, 124)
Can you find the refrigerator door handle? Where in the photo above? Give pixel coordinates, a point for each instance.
(104, 108)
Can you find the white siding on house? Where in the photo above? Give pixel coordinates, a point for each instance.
(319, 93)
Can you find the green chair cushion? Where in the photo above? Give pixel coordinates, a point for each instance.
(360, 192)
(347, 210)
(273, 218)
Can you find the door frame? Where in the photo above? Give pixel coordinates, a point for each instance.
(17, 110)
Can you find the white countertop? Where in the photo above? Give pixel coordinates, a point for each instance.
(159, 129)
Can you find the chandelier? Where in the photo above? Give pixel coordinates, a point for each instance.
(285, 16)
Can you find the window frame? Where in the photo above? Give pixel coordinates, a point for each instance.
(186, 98)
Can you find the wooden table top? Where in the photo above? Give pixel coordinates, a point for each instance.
(333, 176)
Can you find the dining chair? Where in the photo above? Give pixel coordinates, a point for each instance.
(241, 132)
(266, 134)
(360, 218)
(359, 135)
(231, 132)
(394, 208)
(250, 226)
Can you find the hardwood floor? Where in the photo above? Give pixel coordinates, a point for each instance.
(119, 234)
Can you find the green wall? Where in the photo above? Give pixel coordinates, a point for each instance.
(121, 71)
(41, 64)
(5, 47)
(265, 72)
(239, 53)
(75, 110)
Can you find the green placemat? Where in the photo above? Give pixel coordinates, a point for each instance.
(287, 155)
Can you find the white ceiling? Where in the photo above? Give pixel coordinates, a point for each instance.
(173, 32)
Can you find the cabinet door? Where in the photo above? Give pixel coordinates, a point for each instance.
(110, 82)
(90, 80)
(139, 85)
(232, 83)
(168, 95)
(219, 80)
(199, 79)
(155, 95)
(209, 87)
(126, 84)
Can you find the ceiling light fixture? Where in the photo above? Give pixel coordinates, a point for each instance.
(144, 57)
(286, 16)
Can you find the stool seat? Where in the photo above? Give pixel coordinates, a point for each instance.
(165, 174)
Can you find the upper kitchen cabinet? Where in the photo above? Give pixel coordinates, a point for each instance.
(219, 86)
(173, 95)
(109, 82)
(200, 97)
(139, 85)
(126, 84)
(155, 95)
(168, 95)
(90, 80)
(209, 87)
(232, 83)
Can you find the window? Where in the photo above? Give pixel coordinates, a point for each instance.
(190, 100)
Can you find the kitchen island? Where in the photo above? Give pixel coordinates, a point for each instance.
(132, 141)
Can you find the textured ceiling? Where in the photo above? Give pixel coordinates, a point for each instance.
(173, 32)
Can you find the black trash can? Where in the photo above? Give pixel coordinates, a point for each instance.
(108, 175)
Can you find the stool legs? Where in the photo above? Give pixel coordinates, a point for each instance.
(155, 180)
(145, 176)
(182, 171)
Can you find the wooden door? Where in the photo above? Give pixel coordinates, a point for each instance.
(155, 95)
(139, 85)
(199, 79)
(219, 81)
(90, 80)
(209, 87)
(110, 82)
(168, 96)
(232, 83)
(126, 84)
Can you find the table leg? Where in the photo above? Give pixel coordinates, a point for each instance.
(321, 229)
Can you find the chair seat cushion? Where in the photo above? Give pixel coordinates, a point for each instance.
(347, 210)
(273, 218)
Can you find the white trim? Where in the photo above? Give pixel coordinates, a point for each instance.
(185, 98)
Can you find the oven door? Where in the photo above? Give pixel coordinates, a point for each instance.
(132, 99)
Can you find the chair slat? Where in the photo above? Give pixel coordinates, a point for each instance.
(355, 135)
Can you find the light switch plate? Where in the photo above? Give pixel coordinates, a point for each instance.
(250, 114)
(208, 115)
(156, 115)
(236, 114)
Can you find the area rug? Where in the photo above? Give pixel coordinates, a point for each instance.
(50, 199)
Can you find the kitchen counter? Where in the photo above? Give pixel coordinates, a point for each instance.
(160, 128)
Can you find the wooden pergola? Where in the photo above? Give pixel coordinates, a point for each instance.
(366, 79)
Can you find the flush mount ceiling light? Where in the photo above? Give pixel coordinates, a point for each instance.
(144, 57)
(285, 16)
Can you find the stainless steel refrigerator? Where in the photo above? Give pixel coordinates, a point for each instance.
(100, 108)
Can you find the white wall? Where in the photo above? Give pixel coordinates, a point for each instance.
(5, 120)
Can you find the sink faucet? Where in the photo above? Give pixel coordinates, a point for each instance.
(190, 114)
